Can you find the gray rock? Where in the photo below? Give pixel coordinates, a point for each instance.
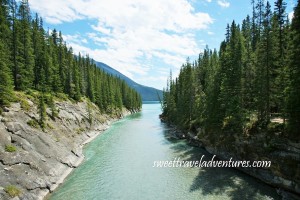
(5, 137)
(14, 127)
(44, 159)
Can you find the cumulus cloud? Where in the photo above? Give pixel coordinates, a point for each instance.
(168, 14)
(223, 3)
(128, 32)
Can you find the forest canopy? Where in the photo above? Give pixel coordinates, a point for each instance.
(251, 84)
(32, 58)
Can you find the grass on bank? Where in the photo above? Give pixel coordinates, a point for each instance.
(12, 191)
(10, 148)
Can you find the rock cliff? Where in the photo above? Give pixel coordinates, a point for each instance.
(33, 162)
(284, 154)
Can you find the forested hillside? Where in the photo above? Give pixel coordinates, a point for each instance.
(32, 58)
(250, 85)
(147, 93)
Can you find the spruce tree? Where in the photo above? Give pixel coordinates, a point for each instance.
(42, 111)
(294, 69)
(25, 51)
(6, 84)
(264, 60)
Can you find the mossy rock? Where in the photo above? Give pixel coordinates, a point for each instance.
(10, 148)
(33, 123)
(12, 191)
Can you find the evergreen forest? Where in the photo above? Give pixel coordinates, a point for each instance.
(250, 85)
(35, 59)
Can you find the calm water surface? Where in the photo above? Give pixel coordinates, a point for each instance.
(119, 162)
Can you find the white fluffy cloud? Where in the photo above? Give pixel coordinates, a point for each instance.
(131, 33)
(223, 3)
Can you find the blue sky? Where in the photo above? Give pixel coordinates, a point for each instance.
(143, 39)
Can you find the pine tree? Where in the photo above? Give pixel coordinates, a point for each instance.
(90, 88)
(263, 68)
(37, 59)
(280, 82)
(54, 112)
(42, 111)
(26, 59)
(280, 7)
(6, 85)
(213, 119)
(231, 84)
(62, 62)
(294, 69)
(76, 78)
(37, 40)
(248, 70)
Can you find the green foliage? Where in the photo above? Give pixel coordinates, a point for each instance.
(12, 191)
(50, 126)
(10, 148)
(24, 104)
(255, 75)
(50, 102)
(35, 61)
(33, 123)
(6, 81)
(89, 111)
(80, 130)
(33, 95)
(294, 73)
(251, 123)
(62, 96)
(274, 127)
(42, 112)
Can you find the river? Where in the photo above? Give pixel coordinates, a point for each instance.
(119, 165)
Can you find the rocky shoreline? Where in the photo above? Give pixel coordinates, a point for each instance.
(287, 186)
(38, 161)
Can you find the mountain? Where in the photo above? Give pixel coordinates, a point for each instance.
(147, 93)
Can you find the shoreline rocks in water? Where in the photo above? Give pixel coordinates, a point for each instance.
(34, 162)
(287, 187)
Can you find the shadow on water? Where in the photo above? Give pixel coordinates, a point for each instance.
(217, 181)
(135, 116)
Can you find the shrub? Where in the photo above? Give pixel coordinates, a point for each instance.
(12, 190)
(80, 130)
(89, 110)
(274, 127)
(24, 104)
(33, 123)
(32, 94)
(42, 112)
(10, 148)
(50, 126)
(51, 104)
(62, 97)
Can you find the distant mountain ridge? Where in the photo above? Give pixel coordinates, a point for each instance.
(147, 93)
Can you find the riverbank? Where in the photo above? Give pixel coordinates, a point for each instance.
(284, 155)
(34, 162)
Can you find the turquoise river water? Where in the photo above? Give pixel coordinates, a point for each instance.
(119, 165)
